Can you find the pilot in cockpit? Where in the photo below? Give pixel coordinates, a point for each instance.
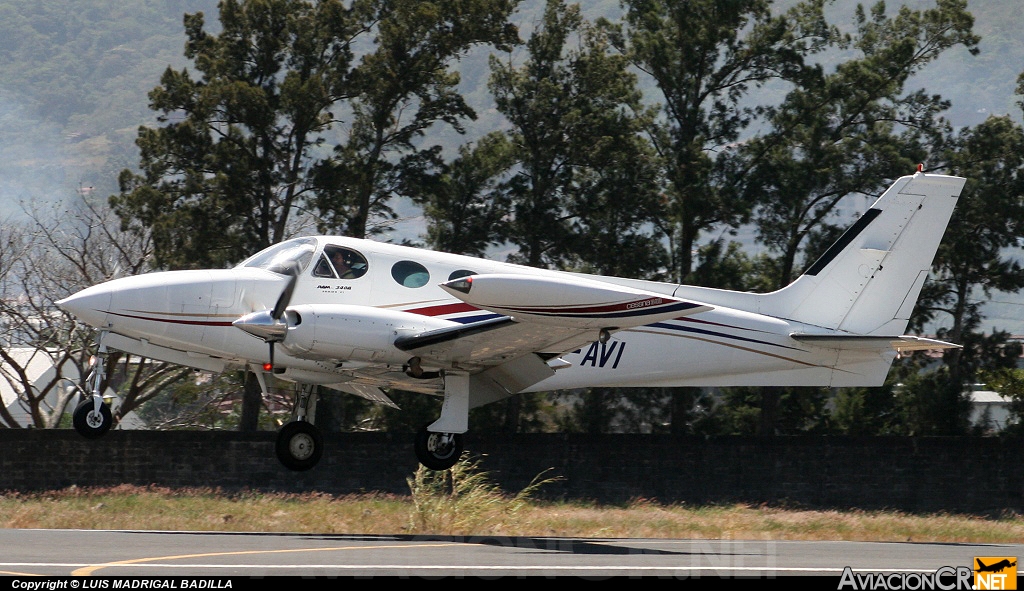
(348, 264)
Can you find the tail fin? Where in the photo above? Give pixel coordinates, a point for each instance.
(868, 282)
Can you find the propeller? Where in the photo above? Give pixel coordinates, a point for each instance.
(267, 324)
(292, 271)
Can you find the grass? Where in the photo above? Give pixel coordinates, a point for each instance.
(463, 501)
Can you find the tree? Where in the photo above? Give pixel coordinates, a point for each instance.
(850, 130)
(845, 132)
(222, 177)
(240, 150)
(973, 261)
(463, 201)
(704, 56)
(583, 192)
(399, 91)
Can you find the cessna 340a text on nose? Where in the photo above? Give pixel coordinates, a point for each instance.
(364, 317)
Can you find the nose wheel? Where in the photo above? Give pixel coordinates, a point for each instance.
(299, 445)
(438, 451)
(92, 422)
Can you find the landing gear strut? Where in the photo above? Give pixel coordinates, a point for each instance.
(439, 445)
(299, 443)
(92, 418)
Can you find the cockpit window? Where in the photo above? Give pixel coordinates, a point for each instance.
(279, 257)
(340, 263)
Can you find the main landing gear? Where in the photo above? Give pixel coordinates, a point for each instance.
(438, 451)
(299, 443)
(439, 445)
(92, 418)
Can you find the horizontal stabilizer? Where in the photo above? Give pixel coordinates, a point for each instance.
(901, 343)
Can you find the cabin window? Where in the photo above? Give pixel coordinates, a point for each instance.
(340, 263)
(410, 274)
(460, 273)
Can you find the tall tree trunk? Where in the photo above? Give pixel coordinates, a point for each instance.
(252, 397)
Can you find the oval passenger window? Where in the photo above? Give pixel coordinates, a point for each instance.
(410, 274)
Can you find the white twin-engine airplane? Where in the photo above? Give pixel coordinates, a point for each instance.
(363, 317)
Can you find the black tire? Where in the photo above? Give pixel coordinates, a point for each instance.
(433, 454)
(299, 446)
(89, 423)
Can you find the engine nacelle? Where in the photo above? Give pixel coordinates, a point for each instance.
(346, 332)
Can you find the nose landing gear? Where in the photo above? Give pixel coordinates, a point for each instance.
(92, 418)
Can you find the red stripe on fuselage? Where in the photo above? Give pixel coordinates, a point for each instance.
(443, 309)
(174, 320)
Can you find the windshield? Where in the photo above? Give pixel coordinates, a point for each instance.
(277, 257)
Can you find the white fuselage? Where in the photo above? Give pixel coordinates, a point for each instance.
(186, 317)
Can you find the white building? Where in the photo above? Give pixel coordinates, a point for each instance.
(989, 410)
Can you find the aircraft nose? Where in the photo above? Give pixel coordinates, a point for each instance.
(89, 305)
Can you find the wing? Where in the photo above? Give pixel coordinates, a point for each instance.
(569, 302)
(543, 318)
(480, 345)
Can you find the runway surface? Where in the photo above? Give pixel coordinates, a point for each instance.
(31, 552)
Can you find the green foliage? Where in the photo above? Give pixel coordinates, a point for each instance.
(871, 411)
(932, 403)
(463, 498)
(463, 201)
(583, 195)
(704, 57)
(613, 410)
(229, 161)
(416, 411)
(240, 150)
(973, 260)
(398, 91)
(793, 411)
(332, 109)
(850, 130)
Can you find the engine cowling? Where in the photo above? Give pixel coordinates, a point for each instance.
(346, 332)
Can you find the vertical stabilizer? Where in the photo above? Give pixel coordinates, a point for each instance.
(868, 281)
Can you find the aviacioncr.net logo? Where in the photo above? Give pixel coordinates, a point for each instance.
(946, 578)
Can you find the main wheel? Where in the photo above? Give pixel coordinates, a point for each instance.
(438, 451)
(89, 422)
(299, 445)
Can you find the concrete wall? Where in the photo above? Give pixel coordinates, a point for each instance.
(970, 475)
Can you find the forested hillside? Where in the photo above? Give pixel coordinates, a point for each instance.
(74, 75)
